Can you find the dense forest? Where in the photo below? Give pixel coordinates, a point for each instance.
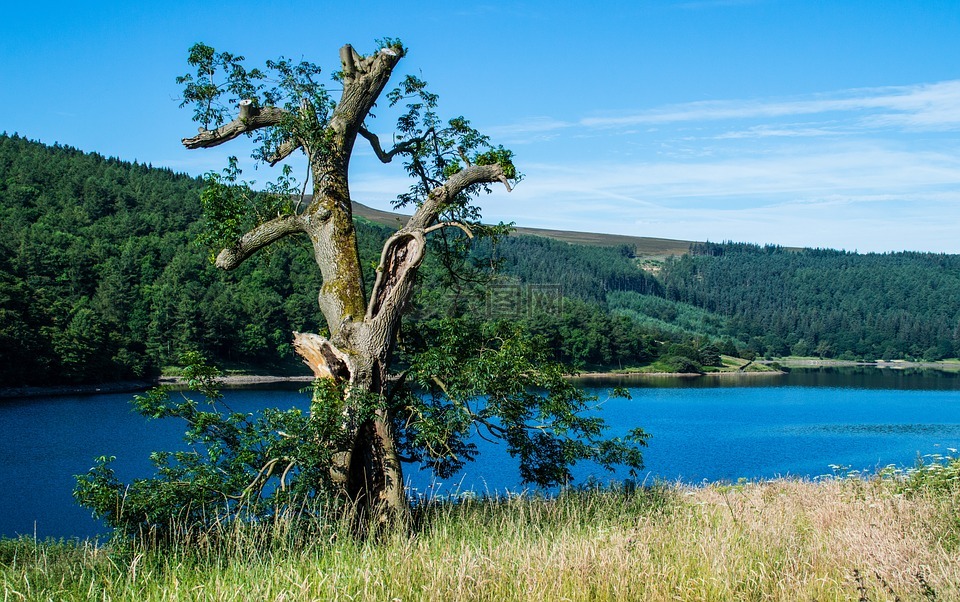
(823, 302)
(101, 279)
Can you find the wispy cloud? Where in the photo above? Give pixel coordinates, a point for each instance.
(842, 195)
(525, 132)
(781, 131)
(858, 169)
(863, 168)
(924, 106)
(916, 108)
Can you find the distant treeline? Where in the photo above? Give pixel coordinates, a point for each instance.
(824, 302)
(101, 279)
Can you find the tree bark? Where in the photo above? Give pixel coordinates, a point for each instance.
(366, 467)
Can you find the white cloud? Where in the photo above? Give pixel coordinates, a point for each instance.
(858, 196)
(922, 106)
(782, 131)
(862, 167)
(871, 169)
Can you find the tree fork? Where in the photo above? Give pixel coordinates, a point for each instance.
(365, 466)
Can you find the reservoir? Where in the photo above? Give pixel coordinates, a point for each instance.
(802, 424)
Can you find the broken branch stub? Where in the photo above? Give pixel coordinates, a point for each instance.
(325, 360)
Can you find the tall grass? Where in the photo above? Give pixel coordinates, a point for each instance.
(884, 538)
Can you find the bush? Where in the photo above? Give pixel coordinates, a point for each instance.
(679, 364)
(241, 467)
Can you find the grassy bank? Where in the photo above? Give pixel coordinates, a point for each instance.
(844, 539)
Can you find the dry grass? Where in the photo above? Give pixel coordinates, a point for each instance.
(782, 540)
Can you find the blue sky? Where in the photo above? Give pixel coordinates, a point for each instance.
(802, 123)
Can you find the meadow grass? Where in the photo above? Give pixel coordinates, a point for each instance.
(839, 539)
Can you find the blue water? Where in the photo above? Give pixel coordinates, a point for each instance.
(702, 429)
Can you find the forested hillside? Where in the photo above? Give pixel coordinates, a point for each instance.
(825, 303)
(101, 279)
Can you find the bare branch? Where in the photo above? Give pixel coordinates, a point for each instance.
(256, 239)
(349, 59)
(363, 80)
(427, 214)
(460, 225)
(257, 118)
(283, 151)
(286, 471)
(375, 143)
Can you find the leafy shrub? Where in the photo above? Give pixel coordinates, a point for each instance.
(246, 467)
(679, 364)
(934, 472)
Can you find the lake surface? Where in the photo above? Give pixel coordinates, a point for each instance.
(712, 428)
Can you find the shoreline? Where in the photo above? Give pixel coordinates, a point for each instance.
(240, 380)
(126, 386)
(229, 382)
(259, 380)
(891, 365)
(734, 373)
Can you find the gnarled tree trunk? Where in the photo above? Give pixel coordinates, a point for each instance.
(363, 329)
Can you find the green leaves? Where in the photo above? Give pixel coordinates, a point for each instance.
(502, 157)
(231, 207)
(496, 379)
(220, 81)
(217, 73)
(240, 466)
(441, 150)
(224, 204)
(307, 104)
(391, 43)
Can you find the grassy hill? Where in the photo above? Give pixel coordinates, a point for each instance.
(643, 246)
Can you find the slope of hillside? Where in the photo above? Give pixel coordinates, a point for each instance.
(643, 246)
(101, 280)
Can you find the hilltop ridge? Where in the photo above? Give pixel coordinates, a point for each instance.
(642, 245)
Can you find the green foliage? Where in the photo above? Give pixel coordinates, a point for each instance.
(205, 88)
(679, 364)
(223, 206)
(502, 157)
(592, 274)
(709, 355)
(438, 150)
(231, 207)
(240, 467)
(936, 472)
(100, 279)
(822, 302)
(498, 379)
(221, 81)
(392, 43)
